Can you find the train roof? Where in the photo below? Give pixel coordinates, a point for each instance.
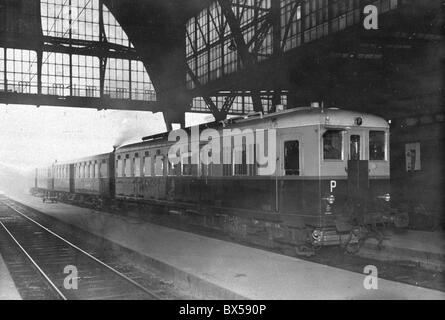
(296, 117)
(84, 159)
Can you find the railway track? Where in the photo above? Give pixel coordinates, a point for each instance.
(58, 261)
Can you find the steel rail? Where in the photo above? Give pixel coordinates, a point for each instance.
(121, 275)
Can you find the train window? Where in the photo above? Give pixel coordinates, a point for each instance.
(240, 161)
(147, 165)
(227, 161)
(119, 169)
(159, 165)
(96, 170)
(354, 147)
(186, 167)
(137, 165)
(175, 169)
(244, 160)
(103, 169)
(377, 145)
(170, 168)
(332, 145)
(292, 158)
(92, 170)
(127, 167)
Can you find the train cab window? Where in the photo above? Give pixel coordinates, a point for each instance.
(137, 165)
(292, 158)
(354, 147)
(147, 165)
(377, 145)
(332, 145)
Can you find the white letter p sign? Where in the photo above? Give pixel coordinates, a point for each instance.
(333, 185)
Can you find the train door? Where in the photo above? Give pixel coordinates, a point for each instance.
(288, 191)
(358, 168)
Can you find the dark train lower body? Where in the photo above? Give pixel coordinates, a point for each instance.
(271, 211)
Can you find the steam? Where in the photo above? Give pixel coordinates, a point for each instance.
(131, 131)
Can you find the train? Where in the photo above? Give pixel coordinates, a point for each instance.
(331, 178)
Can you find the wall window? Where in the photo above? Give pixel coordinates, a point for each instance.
(56, 74)
(141, 86)
(117, 79)
(377, 145)
(86, 76)
(21, 70)
(79, 20)
(113, 31)
(412, 157)
(332, 145)
(290, 24)
(292, 158)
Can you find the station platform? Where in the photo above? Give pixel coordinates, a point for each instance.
(8, 290)
(211, 268)
(423, 248)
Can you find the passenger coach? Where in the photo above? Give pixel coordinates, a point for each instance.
(332, 166)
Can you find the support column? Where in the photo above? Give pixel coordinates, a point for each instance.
(39, 71)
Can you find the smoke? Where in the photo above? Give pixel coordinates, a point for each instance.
(133, 129)
(14, 179)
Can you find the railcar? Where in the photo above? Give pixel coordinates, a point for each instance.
(332, 174)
